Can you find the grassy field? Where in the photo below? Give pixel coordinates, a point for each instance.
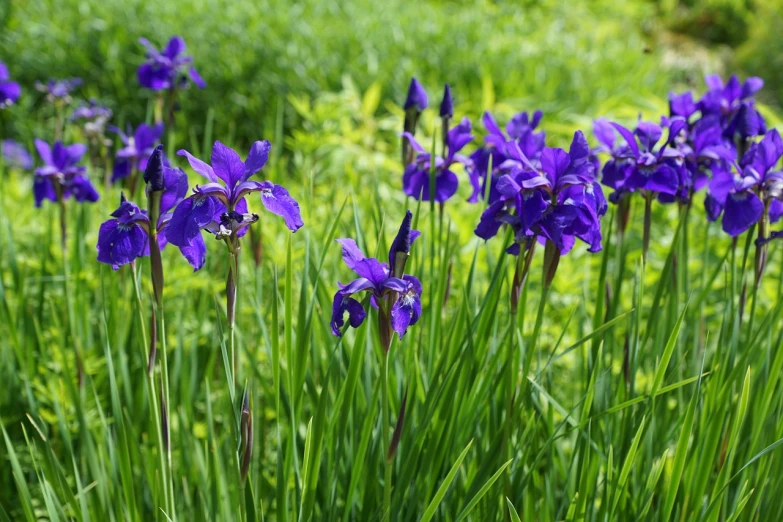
(626, 391)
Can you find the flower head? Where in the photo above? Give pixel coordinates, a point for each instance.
(378, 280)
(59, 89)
(416, 179)
(125, 237)
(742, 191)
(9, 91)
(61, 175)
(733, 103)
(138, 147)
(169, 68)
(220, 206)
(16, 155)
(558, 201)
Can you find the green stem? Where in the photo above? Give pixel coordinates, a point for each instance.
(385, 438)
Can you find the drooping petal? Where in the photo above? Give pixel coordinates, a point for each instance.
(43, 189)
(278, 201)
(82, 190)
(741, 211)
(195, 252)
(190, 216)
(199, 166)
(490, 223)
(342, 303)
(196, 77)
(120, 244)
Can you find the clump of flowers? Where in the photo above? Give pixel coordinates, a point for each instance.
(9, 91)
(93, 116)
(62, 176)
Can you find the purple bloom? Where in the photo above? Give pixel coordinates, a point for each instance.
(377, 279)
(741, 194)
(61, 175)
(558, 201)
(9, 91)
(220, 207)
(734, 105)
(16, 155)
(521, 129)
(168, 69)
(416, 179)
(137, 148)
(58, 89)
(125, 237)
(91, 111)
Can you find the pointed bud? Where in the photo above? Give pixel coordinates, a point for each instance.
(447, 105)
(153, 174)
(417, 96)
(123, 199)
(401, 246)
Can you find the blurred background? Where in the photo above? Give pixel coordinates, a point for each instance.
(266, 62)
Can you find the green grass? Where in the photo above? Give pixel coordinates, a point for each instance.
(625, 392)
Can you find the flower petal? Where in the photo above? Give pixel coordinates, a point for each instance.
(741, 211)
(277, 201)
(199, 166)
(227, 164)
(190, 216)
(256, 158)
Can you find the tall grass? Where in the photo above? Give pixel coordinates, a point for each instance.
(636, 392)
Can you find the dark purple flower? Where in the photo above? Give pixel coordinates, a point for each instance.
(9, 91)
(137, 148)
(733, 103)
(167, 69)
(556, 201)
(58, 89)
(743, 191)
(125, 237)
(61, 175)
(220, 207)
(377, 279)
(521, 129)
(16, 155)
(416, 179)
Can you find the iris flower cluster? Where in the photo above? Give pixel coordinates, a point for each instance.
(9, 91)
(59, 90)
(419, 163)
(62, 176)
(555, 200)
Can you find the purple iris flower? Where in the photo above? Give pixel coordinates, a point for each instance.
(58, 89)
(167, 69)
(9, 91)
(558, 201)
(643, 164)
(520, 129)
(416, 179)
(733, 103)
(221, 208)
(125, 237)
(137, 148)
(743, 193)
(378, 279)
(61, 176)
(16, 155)
(91, 111)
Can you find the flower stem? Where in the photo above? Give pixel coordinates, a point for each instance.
(387, 481)
(648, 197)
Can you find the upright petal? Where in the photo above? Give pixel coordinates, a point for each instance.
(175, 47)
(256, 158)
(352, 254)
(44, 151)
(199, 166)
(227, 164)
